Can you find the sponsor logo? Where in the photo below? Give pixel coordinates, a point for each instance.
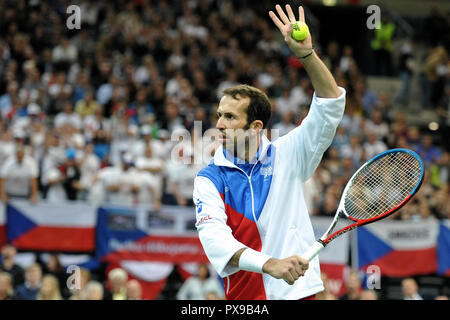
(198, 205)
(266, 171)
(203, 219)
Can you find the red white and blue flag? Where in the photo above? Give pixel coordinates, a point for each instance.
(51, 227)
(399, 248)
(443, 248)
(119, 237)
(147, 245)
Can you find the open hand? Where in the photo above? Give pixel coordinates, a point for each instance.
(286, 24)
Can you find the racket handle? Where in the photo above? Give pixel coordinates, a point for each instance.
(313, 251)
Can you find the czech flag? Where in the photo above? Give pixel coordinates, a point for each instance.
(148, 255)
(51, 227)
(443, 248)
(399, 248)
(135, 243)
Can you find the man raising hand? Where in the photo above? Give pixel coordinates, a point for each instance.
(251, 214)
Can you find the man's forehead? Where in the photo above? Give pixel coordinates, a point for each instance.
(229, 104)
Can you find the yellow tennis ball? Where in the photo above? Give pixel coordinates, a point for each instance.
(300, 31)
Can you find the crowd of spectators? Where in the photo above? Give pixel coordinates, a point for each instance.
(48, 280)
(355, 289)
(96, 114)
(107, 113)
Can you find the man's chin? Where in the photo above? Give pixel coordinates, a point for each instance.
(223, 141)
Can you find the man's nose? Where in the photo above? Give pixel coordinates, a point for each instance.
(220, 124)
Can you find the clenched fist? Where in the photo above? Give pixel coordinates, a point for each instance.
(288, 269)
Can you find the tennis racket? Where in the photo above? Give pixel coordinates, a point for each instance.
(379, 188)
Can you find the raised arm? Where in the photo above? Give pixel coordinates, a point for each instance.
(321, 78)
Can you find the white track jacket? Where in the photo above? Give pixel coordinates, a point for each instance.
(262, 207)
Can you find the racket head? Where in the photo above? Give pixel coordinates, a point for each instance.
(380, 187)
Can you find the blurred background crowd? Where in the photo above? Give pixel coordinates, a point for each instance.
(90, 114)
(46, 279)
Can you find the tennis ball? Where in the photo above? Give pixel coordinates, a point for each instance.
(300, 31)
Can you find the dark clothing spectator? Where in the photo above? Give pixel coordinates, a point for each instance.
(8, 265)
(26, 292)
(16, 272)
(71, 183)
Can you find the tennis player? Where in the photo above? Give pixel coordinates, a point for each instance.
(252, 218)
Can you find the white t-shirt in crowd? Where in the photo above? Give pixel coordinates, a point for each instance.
(62, 119)
(106, 177)
(17, 176)
(355, 153)
(381, 130)
(372, 149)
(127, 179)
(55, 192)
(144, 163)
(6, 151)
(183, 175)
(115, 176)
(138, 148)
(147, 181)
(89, 167)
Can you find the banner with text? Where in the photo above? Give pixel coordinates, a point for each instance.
(143, 235)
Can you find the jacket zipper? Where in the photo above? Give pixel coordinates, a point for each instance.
(251, 192)
(249, 178)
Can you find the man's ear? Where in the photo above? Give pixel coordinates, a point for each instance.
(257, 125)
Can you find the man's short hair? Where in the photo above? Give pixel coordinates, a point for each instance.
(259, 106)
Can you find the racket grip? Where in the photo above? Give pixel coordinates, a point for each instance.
(313, 251)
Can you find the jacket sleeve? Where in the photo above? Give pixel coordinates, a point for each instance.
(302, 148)
(214, 233)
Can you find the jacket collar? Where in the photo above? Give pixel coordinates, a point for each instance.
(227, 161)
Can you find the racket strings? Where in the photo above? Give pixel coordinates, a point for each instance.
(382, 185)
